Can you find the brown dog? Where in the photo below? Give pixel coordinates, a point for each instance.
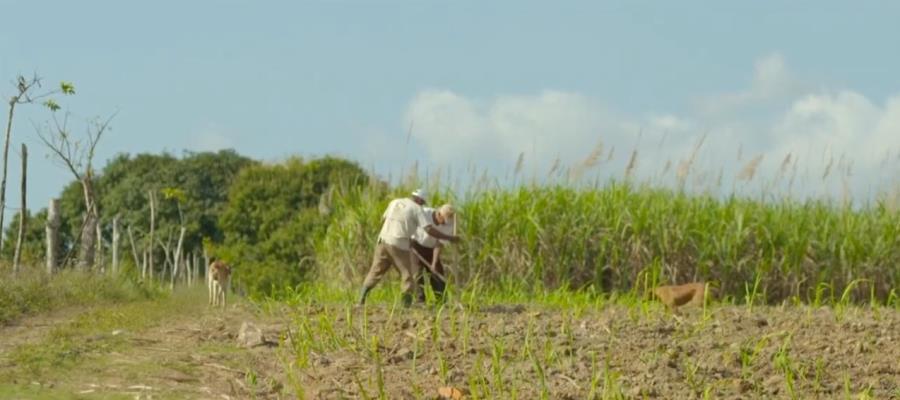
(675, 296)
(218, 279)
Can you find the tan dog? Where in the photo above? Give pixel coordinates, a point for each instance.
(675, 296)
(218, 279)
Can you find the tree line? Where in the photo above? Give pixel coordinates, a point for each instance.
(259, 216)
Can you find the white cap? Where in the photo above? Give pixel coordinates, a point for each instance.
(421, 193)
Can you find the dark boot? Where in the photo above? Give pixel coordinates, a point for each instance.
(421, 288)
(406, 299)
(438, 286)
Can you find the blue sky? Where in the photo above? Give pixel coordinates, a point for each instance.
(480, 83)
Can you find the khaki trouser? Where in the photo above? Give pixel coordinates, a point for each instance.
(387, 256)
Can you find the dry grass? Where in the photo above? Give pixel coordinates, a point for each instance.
(749, 171)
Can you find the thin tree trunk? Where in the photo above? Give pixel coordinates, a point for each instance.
(22, 211)
(188, 270)
(134, 252)
(115, 245)
(89, 230)
(196, 263)
(167, 262)
(12, 107)
(52, 230)
(177, 256)
(205, 262)
(185, 271)
(100, 261)
(167, 257)
(152, 196)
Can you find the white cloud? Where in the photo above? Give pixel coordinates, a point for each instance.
(775, 116)
(772, 84)
(849, 132)
(452, 127)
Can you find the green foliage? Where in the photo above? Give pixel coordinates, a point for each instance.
(274, 218)
(33, 247)
(67, 88)
(174, 194)
(192, 189)
(52, 105)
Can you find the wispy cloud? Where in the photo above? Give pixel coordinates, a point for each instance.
(772, 83)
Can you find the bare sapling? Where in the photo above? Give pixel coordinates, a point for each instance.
(77, 155)
(24, 95)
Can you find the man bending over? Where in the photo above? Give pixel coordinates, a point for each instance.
(400, 221)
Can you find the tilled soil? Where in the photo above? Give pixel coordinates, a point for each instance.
(528, 353)
(340, 351)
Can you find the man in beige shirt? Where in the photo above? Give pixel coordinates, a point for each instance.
(400, 221)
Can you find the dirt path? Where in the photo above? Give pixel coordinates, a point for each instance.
(192, 352)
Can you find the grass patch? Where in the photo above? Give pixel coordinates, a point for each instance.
(33, 291)
(91, 335)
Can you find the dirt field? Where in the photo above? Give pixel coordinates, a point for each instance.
(526, 352)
